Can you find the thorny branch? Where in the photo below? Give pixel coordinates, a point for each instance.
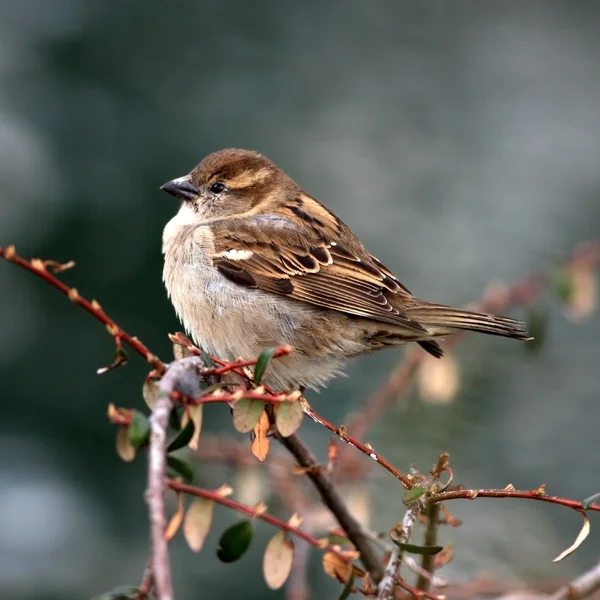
(182, 379)
(509, 492)
(40, 269)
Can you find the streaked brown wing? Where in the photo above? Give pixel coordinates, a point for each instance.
(313, 266)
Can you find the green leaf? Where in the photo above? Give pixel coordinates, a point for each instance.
(589, 501)
(246, 414)
(414, 549)
(339, 540)
(413, 495)
(266, 356)
(175, 418)
(120, 593)
(139, 430)
(181, 467)
(182, 438)
(234, 541)
(561, 283)
(348, 587)
(537, 326)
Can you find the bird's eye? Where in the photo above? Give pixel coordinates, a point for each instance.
(217, 187)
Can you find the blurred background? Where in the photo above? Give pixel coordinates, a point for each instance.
(459, 140)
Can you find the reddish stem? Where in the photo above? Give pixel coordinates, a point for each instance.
(528, 495)
(40, 270)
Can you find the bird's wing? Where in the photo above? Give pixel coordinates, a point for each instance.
(313, 261)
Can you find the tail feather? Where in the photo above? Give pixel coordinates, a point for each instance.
(442, 320)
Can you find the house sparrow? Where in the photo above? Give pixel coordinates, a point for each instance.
(251, 261)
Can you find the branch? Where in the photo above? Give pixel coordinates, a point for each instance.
(182, 376)
(342, 433)
(538, 494)
(385, 590)
(585, 585)
(255, 513)
(336, 504)
(429, 539)
(40, 269)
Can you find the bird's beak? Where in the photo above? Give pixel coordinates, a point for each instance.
(181, 188)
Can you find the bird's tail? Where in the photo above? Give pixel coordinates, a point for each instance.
(442, 320)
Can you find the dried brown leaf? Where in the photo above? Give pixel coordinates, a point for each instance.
(246, 414)
(260, 443)
(338, 568)
(277, 560)
(195, 413)
(197, 522)
(176, 520)
(125, 448)
(150, 392)
(288, 417)
(581, 536)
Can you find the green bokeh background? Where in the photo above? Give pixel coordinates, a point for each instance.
(459, 140)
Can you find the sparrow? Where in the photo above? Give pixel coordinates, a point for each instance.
(251, 260)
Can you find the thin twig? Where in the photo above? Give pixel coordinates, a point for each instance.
(182, 376)
(39, 268)
(255, 513)
(336, 504)
(342, 433)
(511, 493)
(385, 590)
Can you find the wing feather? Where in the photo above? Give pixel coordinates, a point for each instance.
(318, 265)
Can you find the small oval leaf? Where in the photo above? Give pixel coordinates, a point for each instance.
(176, 520)
(197, 522)
(196, 417)
(139, 429)
(125, 448)
(288, 417)
(277, 560)
(413, 495)
(260, 442)
(181, 467)
(246, 414)
(150, 392)
(415, 549)
(266, 356)
(182, 438)
(234, 541)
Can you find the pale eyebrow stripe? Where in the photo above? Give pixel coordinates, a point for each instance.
(248, 178)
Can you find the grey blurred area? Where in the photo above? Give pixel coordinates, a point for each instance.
(460, 140)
